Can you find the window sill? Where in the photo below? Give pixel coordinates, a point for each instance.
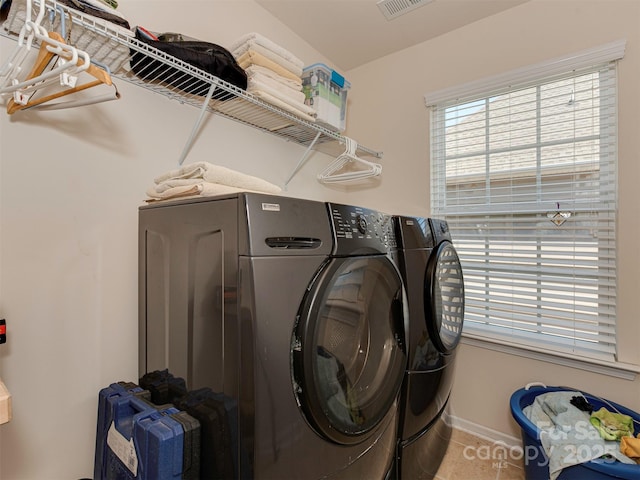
(624, 371)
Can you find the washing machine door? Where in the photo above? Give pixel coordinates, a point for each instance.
(348, 347)
(444, 297)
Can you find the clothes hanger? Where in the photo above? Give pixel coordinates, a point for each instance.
(51, 45)
(12, 67)
(54, 45)
(50, 48)
(36, 79)
(339, 171)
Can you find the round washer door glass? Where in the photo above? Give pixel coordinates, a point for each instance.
(445, 297)
(349, 354)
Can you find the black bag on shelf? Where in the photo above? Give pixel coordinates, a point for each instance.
(103, 13)
(206, 56)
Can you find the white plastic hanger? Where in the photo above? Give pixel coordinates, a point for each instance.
(101, 76)
(70, 63)
(12, 72)
(341, 170)
(12, 68)
(73, 60)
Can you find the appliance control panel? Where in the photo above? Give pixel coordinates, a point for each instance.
(440, 230)
(361, 230)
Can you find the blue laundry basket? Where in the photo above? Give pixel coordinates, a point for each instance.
(536, 462)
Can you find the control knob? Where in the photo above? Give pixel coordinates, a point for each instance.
(361, 224)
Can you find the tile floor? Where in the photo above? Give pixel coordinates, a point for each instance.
(472, 458)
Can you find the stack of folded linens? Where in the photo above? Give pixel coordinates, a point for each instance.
(203, 179)
(273, 73)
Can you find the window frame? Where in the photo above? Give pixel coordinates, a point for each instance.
(529, 76)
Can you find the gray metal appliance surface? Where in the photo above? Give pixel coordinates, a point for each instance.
(434, 282)
(292, 310)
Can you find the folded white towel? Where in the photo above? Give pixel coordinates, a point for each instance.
(274, 57)
(286, 94)
(200, 189)
(173, 183)
(251, 57)
(249, 40)
(232, 178)
(260, 72)
(211, 173)
(185, 191)
(300, 110)
(191, 170)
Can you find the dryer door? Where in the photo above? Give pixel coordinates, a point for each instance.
(444, 297)
(348, 347)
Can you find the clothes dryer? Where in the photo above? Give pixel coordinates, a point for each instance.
(294, 311)
(433, 278)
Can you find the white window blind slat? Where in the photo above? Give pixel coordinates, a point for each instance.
(526, 178)
(506, 320)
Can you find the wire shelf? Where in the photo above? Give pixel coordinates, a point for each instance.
(189, 85)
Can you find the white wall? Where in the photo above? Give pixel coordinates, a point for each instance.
(71, 182)
(388, 106)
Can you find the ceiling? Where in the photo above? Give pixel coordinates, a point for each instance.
(351, 33)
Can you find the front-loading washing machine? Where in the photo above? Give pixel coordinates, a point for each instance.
(433, 278)
(293, 311)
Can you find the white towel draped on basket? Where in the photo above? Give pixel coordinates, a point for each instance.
(567, 436)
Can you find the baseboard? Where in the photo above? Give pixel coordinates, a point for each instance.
(483, 432)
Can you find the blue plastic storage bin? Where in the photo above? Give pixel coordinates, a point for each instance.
(536, 464)
(105, 398)
(134, 439)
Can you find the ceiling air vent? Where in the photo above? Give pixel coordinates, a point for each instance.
(394, 8)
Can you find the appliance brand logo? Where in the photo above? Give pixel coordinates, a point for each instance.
(271, 207)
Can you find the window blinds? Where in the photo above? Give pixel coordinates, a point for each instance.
(526, 177)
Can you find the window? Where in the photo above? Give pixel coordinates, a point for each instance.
(525, 175)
